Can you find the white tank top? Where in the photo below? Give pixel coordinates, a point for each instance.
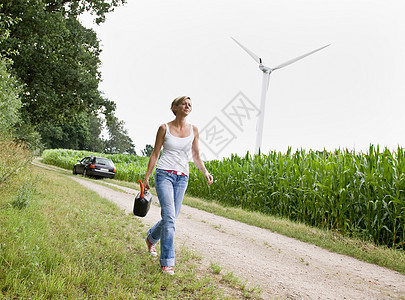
(176, 152)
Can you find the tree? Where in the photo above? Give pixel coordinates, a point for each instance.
(74, 8)
(11, 123)
(148, 150)
(119, 141)
(96, 143)
(58, 60)
(85, 134)
(10, 88)
(10, 102)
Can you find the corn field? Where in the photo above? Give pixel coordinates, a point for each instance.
(356, 194)
(361, 194)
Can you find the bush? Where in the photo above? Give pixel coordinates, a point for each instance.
(10, 102)
(14, 158)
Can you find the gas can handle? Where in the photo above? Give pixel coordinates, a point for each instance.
(142, 189)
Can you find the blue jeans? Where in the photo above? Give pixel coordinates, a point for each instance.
(170, 189)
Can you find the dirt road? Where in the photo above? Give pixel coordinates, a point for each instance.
(283, 267)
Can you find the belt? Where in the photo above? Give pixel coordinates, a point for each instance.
(175, 172)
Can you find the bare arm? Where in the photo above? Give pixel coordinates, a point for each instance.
(160, 136)
(197, 159)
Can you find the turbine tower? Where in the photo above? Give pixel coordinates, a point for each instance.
(265, 84)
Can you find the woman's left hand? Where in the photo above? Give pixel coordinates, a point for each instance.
(209, 178)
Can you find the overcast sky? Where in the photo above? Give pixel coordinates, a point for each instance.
(348, 95)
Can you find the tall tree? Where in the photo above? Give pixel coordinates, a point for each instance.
(84, 134)
(148, 150)
(58, 60)
(10, 102)
(96, 142)
(74, 8)
(10, 88)
(119, 141)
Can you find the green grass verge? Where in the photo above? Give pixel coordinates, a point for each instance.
(60, 240)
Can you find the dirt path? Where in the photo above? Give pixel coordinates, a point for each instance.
(283, 267)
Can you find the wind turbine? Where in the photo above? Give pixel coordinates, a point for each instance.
(265, 84)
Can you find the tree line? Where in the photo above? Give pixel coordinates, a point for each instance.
(49, 77)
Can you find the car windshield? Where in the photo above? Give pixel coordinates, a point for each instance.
(104, 161)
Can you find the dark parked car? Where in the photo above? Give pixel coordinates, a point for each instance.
(95, 166)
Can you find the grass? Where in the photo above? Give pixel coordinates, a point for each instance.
(60, 240)
(14, 158)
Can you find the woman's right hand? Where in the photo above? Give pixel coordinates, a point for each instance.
(146, 184)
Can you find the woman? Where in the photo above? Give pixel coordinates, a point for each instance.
(178, 139)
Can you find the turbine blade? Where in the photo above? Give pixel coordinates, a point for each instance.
(254, 56)
(297, 58)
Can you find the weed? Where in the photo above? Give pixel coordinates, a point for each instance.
(216, 269)
(24, 195)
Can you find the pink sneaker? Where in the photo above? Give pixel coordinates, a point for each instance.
(167, 270)
(151, 248)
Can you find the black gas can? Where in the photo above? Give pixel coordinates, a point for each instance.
(142, 202)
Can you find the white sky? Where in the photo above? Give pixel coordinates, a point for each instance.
(348, 95)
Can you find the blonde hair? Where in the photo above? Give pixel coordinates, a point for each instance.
(178, 101)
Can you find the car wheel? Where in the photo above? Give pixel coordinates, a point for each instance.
(74, 171)
(85, 173)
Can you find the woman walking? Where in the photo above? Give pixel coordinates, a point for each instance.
(178, 139)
